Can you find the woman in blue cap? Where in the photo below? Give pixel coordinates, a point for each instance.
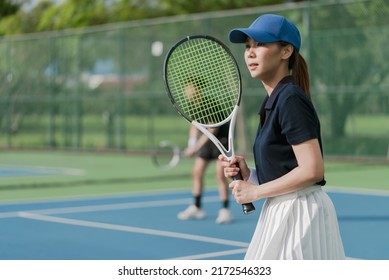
(298, 219)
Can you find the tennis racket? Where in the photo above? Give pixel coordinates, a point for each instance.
(203, 82)
(167, 155)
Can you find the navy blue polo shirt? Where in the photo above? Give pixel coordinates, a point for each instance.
(287, 117)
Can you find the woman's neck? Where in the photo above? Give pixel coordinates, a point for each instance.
(270, 84)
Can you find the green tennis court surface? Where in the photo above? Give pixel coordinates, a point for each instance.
(117, 206)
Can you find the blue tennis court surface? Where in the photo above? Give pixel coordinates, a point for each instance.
(145, 227)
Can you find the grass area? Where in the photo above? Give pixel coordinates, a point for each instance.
(358, 175)
(365, 135)
(98, 174)
(113, 174)
(138, 132)
(368, 126)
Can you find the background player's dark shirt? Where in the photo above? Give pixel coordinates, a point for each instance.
(209, 150)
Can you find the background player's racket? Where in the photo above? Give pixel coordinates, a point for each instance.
(167, 155)
(205, 63)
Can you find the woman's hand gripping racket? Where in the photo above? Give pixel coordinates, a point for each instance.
(204, 84)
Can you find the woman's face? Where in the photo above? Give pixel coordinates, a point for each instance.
(263, 60)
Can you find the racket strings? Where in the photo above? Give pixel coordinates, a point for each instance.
(207, 66)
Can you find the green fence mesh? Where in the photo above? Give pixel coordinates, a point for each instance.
(102, 87)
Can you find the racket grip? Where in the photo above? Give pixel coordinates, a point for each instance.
(247, 208)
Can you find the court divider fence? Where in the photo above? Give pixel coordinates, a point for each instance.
(101, 88)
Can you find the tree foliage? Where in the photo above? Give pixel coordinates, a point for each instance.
(354, 44)
(46, 15)
(8, 8)
(8, 17)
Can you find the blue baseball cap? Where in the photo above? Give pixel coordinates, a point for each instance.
(268, 28)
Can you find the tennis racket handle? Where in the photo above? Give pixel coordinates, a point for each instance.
(247, 207)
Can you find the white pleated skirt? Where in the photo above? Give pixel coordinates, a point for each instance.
(298, 226)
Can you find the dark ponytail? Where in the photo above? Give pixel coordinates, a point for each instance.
(300, 72)
(299, 69)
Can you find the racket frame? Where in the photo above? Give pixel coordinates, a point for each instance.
(230, 152)
(176, 152)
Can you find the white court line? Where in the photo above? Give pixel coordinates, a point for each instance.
(39, 215)
(42, 215)
(108, 207)
(154, 232)
(72, 198)
(358, 191)
(212, 255)
(50, 170)
(160, 203)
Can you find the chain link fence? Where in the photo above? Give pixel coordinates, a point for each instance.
(101, 88)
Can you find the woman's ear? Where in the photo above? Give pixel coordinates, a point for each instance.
(287, 51)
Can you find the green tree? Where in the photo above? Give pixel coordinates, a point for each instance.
(8, 17)
(179, 7)
(24, 21)
(346, 57)
(8, 8)
(73, 14)
(81, 13)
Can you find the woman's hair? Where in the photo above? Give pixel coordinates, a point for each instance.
(299, 69)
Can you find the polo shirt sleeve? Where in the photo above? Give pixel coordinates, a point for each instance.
(253, 179)
(298, 119)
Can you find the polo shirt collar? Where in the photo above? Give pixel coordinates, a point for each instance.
(277, 90)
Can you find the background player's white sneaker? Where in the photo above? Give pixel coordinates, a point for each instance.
(224, 217)
(192, 212)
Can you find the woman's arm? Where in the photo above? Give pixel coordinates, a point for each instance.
(309, 170)
(195, 143)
